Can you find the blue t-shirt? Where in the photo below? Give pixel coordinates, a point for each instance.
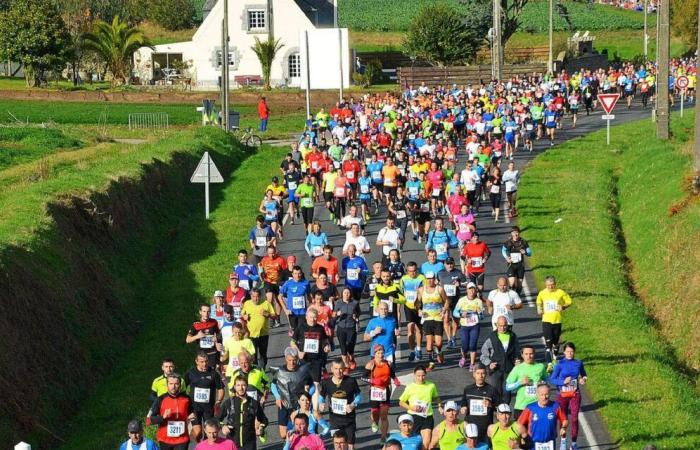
(295, 291)
(365, 183)
(413, 188)
(354, 264)
(479, 446)
(150, 445)
(550, 117)
(375, 170)
(247, 274)
(413, 442)
(543, 421)
(315, 240)
(385, 337)
(428, 267)
(441, 242)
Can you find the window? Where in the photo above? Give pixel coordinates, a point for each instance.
(231, 58)
(294, 65)
(256, 20)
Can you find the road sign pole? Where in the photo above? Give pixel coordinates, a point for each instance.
(682, 101)
(206, 185)
(608, 131)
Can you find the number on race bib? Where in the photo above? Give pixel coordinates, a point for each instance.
(377, 394)
(317, 250)
(530, 390)
(471, 319)
(450, 290)
(441, 249)
(261, 241)
(476, 261)
(516, 257)
(353, 274)
(571, 387)
(364, 189)
(338, 405)
(292, 185)
(176, 428)
(401, 214)
(500, 311)
(495, 188)
(411, 296)
(202, 395)
(436, 192)
(422, 408)
(298, 302)
(550, 306)
(206, 341)
(476, 407)
(310, 345)
(339, 191)
(544, 445)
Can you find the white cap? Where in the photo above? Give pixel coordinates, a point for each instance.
(429, 274)
(471, 285)
(504, 408)
(219, 294)
(471, 430)
(405, 418)
(450, 405)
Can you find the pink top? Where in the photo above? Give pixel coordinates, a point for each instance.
(463, 231)
(435, 178)
(219, 444)
(310, 441)
(455, 202)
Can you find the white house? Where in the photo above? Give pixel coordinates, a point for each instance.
(248, 19)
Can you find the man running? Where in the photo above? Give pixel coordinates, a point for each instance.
(417, 399)
(206, 391)
(499, 354)
(170, 413)
(434, 307)
(524, 378)
(205, 332)
(551, 301)
(541, 417)
(340, 396)
(479, 402)
(514, 250)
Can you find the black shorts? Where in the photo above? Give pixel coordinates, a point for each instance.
(516, 271)
(390, 190)
(328, 196)
(378, 185)
(308, 215)
(283, 415)
(348, 428)
(272, 287)
(423, 217)
(422, 423)
(347, 337)
(476, 278)
(433, 328)
(412, 316)
(295, 320)
(202, 413)
(315, 369)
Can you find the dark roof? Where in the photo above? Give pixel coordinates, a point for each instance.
(207, 7)
(319, 12)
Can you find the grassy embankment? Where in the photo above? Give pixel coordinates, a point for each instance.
(631, 269)
(21, 145)
(102, 417)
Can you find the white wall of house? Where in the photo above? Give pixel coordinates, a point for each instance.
(203, 52)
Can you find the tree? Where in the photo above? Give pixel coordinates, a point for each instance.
(115, 43)
(33, 33)
(684, 21)
(439, 35)
(266, 52)
(173, 14)
(511, 14)
(79, 19)
(130, 11)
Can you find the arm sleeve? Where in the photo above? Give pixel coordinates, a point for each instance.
(275, 391)
(485, 357)
(260, 415)
(154, 417)
(555, 378)
(504, 251)
(358, 398)
(583, 370)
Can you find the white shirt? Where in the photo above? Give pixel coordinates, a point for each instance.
(511, 178)
(347, 221)
(500, 300)
(360, 242)
(391, 236)
(469, 178)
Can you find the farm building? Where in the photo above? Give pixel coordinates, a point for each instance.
(286, 20)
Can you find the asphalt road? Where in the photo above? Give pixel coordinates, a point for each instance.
(449, 378)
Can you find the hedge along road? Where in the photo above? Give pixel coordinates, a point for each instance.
(449, 378)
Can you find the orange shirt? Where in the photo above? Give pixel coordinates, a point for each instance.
(272, 268)
(391, 175)
(331, 266)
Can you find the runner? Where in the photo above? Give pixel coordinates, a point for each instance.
(502, 301)
(409, 285)
(288, 382)
(271, 209)
(453, 282)
(449, 434)
(494, 187)
(326, 264)
(389, 238)
(441, 240)
(212, 441)
(292, 180)
(469, 310)
(258, 383)
(476, 253)
(434, 307)
(383, 330)
(136, 439)
(170, 413)
(315, 240)
(294, 297)
(306, 193)
(568, 375)
(479, 401)
(399, 207)
(418, 399)
(159, 386)
(257, 314)
(311, 342)
(511, 178)
(506, 434)
(243, 416)
(524, 379)
(347, 317)
(472, 439)
(247, 273)
(406, 437)
(514, 250)
(261, 236)
(340, 395)
(206, 390)
(499, 353)
(364, 184)
(233, 346)
(380, 373)
(551, 301)
(541, 419)
(300, 438)
(205, 332)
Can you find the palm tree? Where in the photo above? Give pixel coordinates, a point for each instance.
(115, 44)
(266, 51)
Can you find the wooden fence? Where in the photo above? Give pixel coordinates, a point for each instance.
(433, 76)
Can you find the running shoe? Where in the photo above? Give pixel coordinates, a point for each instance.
(574, 446)
(375, 427)
(331, 217)
(262, 438)
(419, 355)
(430, 367)
(353, 365)
(462, 362)
(412, 356)
(415, 236)
(472, 367)
(440, 358)
(453, 342)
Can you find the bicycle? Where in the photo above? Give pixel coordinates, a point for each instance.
(247, 138)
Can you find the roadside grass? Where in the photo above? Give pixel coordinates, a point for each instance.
(21, 145)
(169, 305)
(634, 377)
(19, 84)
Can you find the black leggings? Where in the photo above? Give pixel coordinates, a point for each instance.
(260, 344)
(551, 333)
(308, 215)
(347, 337)
(339, 207)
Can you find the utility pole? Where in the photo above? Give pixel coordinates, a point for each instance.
(646, 31)
(225, 69)
(308, 75)
(497, 42)
(550, 57)
(662, 89)
(696, 143)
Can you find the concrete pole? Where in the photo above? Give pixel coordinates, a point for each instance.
(340, 63)
(335, 13)
(662, 114)
(226, 65)
(222, 83)
(550, 57)
(646, 31)
(308, 75)
(696, 143)
(497, 42)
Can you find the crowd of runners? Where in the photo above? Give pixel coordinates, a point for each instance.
(432, 165)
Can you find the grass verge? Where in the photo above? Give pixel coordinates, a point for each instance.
(613, 242)
(202, 254)
(21, 145)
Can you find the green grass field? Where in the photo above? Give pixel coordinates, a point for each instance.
(22, 145)
(172, 304)
(591, 212)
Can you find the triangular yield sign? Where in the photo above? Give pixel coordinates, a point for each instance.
(608, 101)
(200, 173)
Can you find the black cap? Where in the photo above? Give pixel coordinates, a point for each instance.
(134, 427)
(450, 260)
(228, 309)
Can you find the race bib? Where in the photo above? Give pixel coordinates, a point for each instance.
(202, 395)
(376, 174)
(372, 287)
(495, 188)
(389, 304)
(252, 393)
(206, 341)
(353, 274)
(436, 192)
(336, 164)
(317, 250)
(350, 174)
(413, 190)
(235, 364)
(338, 405)
(364, 189)
(314, 165)
(441, 249)
(425, 207)
(476, 261)
(450, 290)
(477, 408)
(377, 394)
(571, 387)
(550, 306)
(176, 428)
(471, 319)
(510, 186)
(339, 191)
(298, 302)
(310, 345)
(411, 296)
(531, 390)
(463, 226)
(544, 445)
(500, 311)
(422, 408)
(401, 214)
(516, 257)
(244, 284)
(260, 241)
(236, 312)
(292, 185)
(529, 127)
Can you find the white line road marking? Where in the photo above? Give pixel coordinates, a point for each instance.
(528, 294)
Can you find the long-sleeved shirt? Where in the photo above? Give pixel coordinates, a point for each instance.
(566, 368)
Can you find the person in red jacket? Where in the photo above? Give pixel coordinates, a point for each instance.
(476, 253)
(171, 412)
(263, 114)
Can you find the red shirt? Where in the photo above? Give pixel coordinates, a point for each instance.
(315, 161)
(263, 110)
(180, 407)
(237, 298)
(272, 268)
(475, 254)
(331, 266)
(351, 167)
